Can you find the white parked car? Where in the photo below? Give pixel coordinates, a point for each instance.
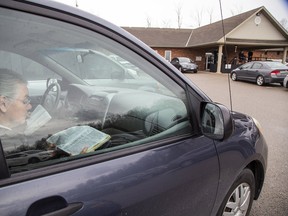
(26, 157)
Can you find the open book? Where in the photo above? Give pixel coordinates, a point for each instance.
(37, 119)
(74, 139)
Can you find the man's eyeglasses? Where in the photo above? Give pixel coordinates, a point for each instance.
(26, 101)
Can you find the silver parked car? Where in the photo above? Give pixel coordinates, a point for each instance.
(261, 72)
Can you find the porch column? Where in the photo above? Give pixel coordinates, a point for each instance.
(284, 55)
(219, 61)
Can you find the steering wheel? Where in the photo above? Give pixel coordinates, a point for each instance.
(51, 97)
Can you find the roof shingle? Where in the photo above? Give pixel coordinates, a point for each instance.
(179, 38)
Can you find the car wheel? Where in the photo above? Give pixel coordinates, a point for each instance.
(195, 71)
(260, 80)
(240, 196)
(234, 76)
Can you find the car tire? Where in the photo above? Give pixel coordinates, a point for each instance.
(239, 199)
(195, 71)
(260, 80)
(234, 76)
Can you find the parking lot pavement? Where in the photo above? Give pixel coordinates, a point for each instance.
(269, 105)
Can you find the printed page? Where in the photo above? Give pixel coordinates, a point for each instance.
(74, 139)
(37, 119)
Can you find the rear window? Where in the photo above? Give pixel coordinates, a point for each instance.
(277, 65)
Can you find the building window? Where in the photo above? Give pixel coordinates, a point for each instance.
(168, 55)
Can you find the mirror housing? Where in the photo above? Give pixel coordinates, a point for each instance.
(216, 121)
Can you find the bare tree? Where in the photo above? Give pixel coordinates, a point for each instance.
(179, 15)
(237, 10)
(148, 21)
(198, 16)
(166, 23)
(210, 12)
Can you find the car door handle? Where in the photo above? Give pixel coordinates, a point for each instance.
(69, 210)
(53, 206)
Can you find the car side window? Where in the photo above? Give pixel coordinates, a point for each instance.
(257, 65)
(246, 66)
(89, 94)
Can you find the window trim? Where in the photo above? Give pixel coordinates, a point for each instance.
(91, 159)
(4, 170)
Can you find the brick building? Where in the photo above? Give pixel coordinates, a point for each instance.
(254, 32)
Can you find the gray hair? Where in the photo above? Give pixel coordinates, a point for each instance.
(9, 81)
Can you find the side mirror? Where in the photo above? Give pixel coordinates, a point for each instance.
(216, 121)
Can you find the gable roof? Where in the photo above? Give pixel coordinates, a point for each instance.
(161, 37)
(207, 35)
(212, 33)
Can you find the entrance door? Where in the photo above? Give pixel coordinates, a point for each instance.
(209, 59)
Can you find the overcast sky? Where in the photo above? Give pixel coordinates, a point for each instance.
(162, 13)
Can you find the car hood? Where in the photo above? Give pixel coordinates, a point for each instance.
(187, 63)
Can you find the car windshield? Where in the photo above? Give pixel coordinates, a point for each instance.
(184, 59)
(90, 64)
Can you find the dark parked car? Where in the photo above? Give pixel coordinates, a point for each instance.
(260, 72)
(172, 150)
(184, 64)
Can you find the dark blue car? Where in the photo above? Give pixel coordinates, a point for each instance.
(184, 64)
(166, 149)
